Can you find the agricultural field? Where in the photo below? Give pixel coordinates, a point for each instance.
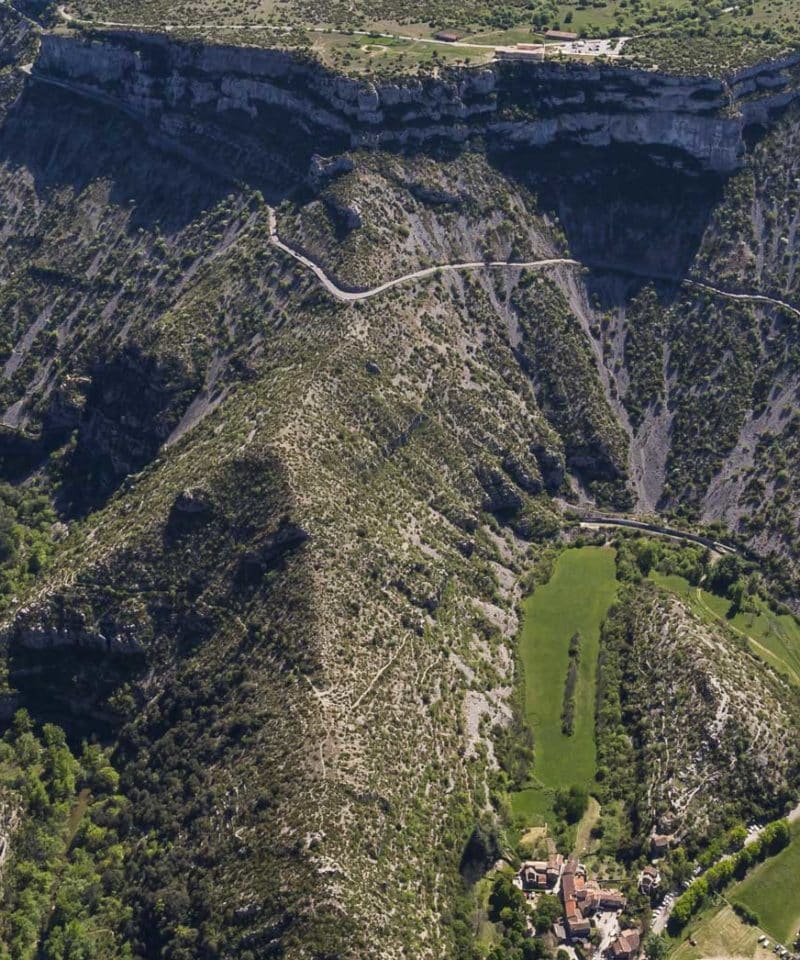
(575, 599)
(771, 891)
(773, 637)
(718, 932)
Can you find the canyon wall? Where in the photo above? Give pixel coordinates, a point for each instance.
(218, 92)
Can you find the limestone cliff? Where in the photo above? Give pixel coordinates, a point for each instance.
(215, 92)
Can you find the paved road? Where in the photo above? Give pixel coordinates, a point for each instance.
(660, 923)
(352, 295)
(600, 520)
(348, 296)
(746, 297)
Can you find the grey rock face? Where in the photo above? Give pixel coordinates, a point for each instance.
(322, 169)
(346, 214)
(552, 466)
(535, 105)
(525, 475)
(43, 635)
(193, 501)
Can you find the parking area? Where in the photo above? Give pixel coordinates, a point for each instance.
(661, 913)
(594, 48)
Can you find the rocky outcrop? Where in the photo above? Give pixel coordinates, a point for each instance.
(10, 815)
(551, 465)
(347, 215)
(271, 554)
(194, 501)
(219, 91)
(120, 416)
(39, 629)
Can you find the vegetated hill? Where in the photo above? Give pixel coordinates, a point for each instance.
(693, 731)
(283, 581)
(280, 617)
(698, 397)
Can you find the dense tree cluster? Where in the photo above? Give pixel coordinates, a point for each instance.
(62, 895)
(27, 541)
(568, 708)
(773, 838)
(508, 909)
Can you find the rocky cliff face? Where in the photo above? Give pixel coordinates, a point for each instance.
(220, 92)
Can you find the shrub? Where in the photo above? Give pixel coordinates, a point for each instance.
(748, 915)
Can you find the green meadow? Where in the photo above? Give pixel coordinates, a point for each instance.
(576, 598)
(772, 892)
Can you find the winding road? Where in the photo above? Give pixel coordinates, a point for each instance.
(353, 294)
(350, 295)
(594, 521)
(745, 297)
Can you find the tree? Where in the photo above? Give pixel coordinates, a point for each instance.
(725, 572)
(737, 837)
(679, 865)
(748, 915)
(21, 723)
(655, 947)
(646, 557)
(69, 942)
(504, 896)
(28, 750)
(35, 794)
(548, 910)
(776, 836)
(570, 805)
(60, 767)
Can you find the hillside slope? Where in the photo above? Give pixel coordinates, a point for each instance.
(291, 530)
(711, 728)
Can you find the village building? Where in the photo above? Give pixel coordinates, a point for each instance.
(448, 36)
(594, 898)
(659, 845)
(573, 887)
(649, 880)
(560, 35)
(581, 897)
(540, 874)
(626, 946)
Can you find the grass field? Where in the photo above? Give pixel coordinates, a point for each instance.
(774, 638)
(359, 53)
(583, 835)
(576, 598)
(718, 932)
(772, 891)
